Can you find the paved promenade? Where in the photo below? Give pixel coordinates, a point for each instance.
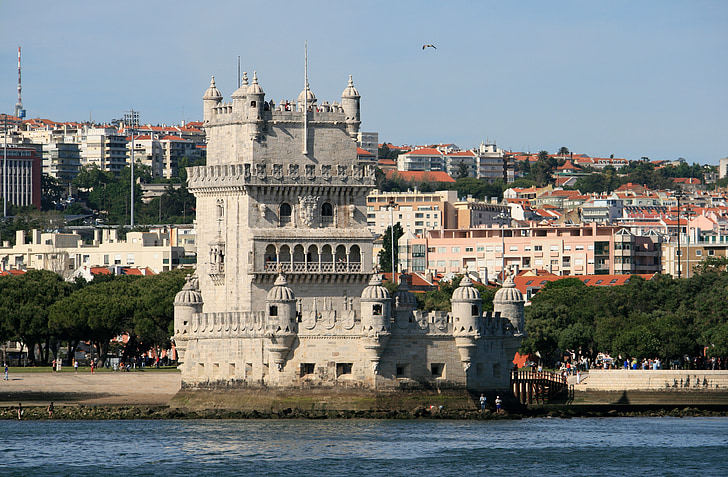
(103, 388)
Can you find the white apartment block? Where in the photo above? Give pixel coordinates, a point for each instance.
(415, 211)
(65, 253)
(104, 147)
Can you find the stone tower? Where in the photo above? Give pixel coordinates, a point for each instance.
(284, 293)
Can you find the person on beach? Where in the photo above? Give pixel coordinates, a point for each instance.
(498, 404)
(50, 410)
(20, 412)
(482, 402)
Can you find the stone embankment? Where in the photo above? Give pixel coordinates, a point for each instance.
(646, 387)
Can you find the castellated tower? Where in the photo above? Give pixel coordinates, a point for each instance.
(284, 293)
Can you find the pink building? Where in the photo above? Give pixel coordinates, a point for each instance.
(562, 250)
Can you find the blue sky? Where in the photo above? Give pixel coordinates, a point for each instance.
(629, 78)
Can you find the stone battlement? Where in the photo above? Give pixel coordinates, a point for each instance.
(231, 175)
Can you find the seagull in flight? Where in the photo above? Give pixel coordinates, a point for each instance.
(430, 46)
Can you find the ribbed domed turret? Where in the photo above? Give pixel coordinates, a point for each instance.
(508, 293)
(404, 297)
(466, 291)
(350, 91)
(243, 90)
(307, 96)
(280, 291)
(255, 87)
(212, 92)
(189, 295)
(375, 290)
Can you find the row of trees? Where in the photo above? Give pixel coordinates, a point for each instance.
(663, 317)
(42, 311)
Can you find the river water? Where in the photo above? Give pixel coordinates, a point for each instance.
(529, 447)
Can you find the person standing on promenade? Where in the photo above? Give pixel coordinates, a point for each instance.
(50, 410)
(6, 372)
(482, 402)
(75, 365)
(498, 404)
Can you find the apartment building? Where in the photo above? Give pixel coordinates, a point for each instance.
(562, 250)
(64, 253)
(22, 183)
(415, 211)
(103, 147)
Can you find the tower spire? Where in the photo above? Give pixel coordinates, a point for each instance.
(305, 98)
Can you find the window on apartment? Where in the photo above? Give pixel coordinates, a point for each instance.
(554, 248)
(579, 248)
(699, 253)
(537, 248)
(711, 253)
(454, 263)
(130, 259)
(456, 250)
(513, 248)
(526, 248)
(480, 248)
(441, 263)
(441, 249)
(567, 248)
(489, 248)
(468, 249)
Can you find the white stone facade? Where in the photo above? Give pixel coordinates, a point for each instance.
(285, 293)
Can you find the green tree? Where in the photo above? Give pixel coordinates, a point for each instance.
(24, 307)
(385, 254)
(51, 191)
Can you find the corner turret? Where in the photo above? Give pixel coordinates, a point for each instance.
(350, 103)
(509, 302)
(211, 99)
(281, 320)
(187, 303)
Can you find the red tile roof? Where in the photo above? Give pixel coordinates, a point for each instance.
(363, 152)
(421, 176)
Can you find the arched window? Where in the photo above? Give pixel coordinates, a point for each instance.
(285, 213)
(327, 213)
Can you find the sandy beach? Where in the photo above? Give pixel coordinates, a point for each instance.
(141, 387)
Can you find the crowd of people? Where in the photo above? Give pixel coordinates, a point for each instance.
(570, 366)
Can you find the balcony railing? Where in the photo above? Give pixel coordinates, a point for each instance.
(312, 267)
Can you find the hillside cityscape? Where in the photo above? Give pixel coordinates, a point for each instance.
(452, 212)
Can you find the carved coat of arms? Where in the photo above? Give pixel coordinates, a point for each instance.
(278, 171)
(308, 206)
(260, 171)
(293, 171)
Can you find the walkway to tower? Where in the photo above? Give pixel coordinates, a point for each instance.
(537, 387)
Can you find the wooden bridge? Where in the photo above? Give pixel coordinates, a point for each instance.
(534, 387)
